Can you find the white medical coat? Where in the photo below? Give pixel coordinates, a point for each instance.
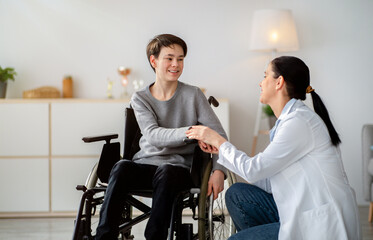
(308, 181)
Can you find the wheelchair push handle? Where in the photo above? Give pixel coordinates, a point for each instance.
(213, 101)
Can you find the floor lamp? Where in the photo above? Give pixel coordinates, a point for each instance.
(272, 31)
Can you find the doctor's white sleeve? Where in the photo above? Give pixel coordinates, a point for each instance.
(287, 147)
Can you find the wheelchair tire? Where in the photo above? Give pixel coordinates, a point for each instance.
(214, 222)
(92, 178)
(89, 231)
(91, 182)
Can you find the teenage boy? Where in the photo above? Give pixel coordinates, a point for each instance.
(164, 110)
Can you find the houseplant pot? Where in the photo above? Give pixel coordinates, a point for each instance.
(6, 74)
(3, 86)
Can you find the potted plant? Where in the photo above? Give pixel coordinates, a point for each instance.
(6, 74)
(271, 116)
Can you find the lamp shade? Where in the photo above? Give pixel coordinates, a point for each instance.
(273, 30)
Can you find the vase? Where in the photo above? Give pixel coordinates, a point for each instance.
(67, 87)
(3, 86)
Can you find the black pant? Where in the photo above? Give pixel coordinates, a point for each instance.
(165, 180)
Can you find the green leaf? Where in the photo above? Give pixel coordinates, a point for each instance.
(7, 74)
(268, 110)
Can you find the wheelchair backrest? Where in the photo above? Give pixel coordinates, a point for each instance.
(132, 135)
(111, 151)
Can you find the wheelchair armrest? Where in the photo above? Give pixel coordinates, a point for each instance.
(107, 138)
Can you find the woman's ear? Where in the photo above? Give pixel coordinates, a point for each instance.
(153, 61)
(280, 83)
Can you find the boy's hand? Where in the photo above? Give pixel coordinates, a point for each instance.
(208, 148)
(216, 183)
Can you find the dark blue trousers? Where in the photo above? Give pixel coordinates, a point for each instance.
(253, 211)
(166, 181)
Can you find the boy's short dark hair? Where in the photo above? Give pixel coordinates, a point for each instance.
(164, 40)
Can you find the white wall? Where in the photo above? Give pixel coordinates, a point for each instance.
(45, 40)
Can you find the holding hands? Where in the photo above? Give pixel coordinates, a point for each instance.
(208, 140)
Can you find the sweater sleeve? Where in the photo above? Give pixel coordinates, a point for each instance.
(207, 117)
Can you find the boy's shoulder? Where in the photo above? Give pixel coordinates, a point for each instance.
(140, 94)
(187, 87)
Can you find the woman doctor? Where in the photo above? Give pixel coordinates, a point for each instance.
(299, 187)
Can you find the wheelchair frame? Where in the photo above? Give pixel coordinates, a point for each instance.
(210, 220)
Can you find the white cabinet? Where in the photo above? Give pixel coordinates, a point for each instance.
(72, 121)
(66, 174)
(24, 132)
(71, 158)
(24, 129)
(43, 157)
(25, 186)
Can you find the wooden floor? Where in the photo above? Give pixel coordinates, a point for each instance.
(62, 228)
(367, 227)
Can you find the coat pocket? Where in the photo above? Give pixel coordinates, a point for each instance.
(322, 223)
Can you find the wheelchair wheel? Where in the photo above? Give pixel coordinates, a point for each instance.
(92, 207)
(221, 225)
(214, 221)
(92, 178)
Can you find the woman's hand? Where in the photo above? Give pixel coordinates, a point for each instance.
(209, 140)
(216, 183)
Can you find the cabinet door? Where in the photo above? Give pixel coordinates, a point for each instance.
(73, 121)
(25, 185)
(24, 129)
(67, 174)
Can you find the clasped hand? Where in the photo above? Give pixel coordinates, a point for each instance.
(208, 140)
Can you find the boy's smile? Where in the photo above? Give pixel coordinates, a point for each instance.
(169, 64)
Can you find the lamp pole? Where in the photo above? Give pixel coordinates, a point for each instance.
(272, 30)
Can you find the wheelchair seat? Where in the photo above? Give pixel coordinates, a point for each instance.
(95, 186)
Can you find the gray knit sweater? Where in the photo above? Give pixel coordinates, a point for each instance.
(164, 123)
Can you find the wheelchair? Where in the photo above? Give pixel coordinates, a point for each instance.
(213, 219)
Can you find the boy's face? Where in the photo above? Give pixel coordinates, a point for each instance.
(169, 64)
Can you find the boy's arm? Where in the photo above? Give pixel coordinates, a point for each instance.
(207, 117)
